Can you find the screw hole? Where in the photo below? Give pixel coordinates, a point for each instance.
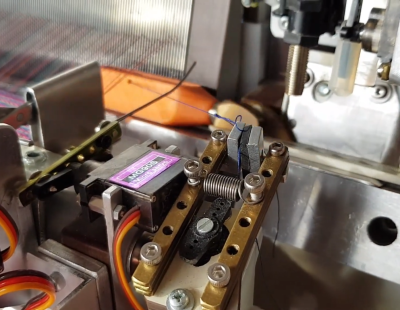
(207, 160)
(181, 205)
(168, 230)
(191, 247)
(195, 241)
(214, 214)
(267, 173)
(32, 154)
(221, 204)
(218, 209)
(245, 221)
(233, 249)
(382, 231)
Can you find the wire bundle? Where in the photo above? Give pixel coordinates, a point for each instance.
(21, 280)
(130, 219)
(11, 230)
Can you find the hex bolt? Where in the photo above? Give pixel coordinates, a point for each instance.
(193, 170)
(34, 157)
(151, 254)
(180, 299)
(219, 275)
(277, 149)
(204, 226)
(119, 212)
(218, 137)
(255, 184)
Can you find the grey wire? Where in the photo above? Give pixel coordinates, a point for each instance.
(123, 117)
(265, 277)
(277, 224)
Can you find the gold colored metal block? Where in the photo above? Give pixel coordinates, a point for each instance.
(241, 238)
(147, 278)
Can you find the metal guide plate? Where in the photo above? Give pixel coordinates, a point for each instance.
(40, 38)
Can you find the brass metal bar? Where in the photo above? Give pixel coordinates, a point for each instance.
(147, 278)
(83, 152)
(241, 238)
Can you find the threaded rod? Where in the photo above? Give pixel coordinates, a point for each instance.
(296, 71)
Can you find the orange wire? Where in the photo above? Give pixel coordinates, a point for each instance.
(119, 237)
(11, 233)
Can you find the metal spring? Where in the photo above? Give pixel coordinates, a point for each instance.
(222, 186)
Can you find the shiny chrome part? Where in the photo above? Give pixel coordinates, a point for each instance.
(277, 149)
(218, 185)
(218, 136)
(255, 184)
(204, 226)
(59, 120)
(296, 72)
(119, 212)
(284, 22)
(151, 253)
(193, 170)
(371, 33)
(180, 299)
(219, 274)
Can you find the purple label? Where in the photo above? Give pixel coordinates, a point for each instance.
(144, 170)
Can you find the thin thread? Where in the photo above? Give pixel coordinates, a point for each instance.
(265, 277)
(277, 225)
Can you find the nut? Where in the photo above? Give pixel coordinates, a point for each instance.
(219, 274)
(277, 149)
(384, 71)
(150, 253)
(218, 136)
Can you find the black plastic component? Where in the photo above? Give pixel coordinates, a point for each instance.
(309, 19)
(51, 185)
(197, 249)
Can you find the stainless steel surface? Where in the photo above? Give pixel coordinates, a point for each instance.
(151, 253)
(67, 108)
(389, 31)
(34, 157)
(146, 35)
(193, 170)
(357, 125)
(394, 75)
(180, 299)
(85, 265)
(219, 185)
(296, 72)
(255, 184)
(219, 274)
(119, 212)
(204, 226)
(330, 216)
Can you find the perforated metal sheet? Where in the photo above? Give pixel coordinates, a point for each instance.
(39, 38)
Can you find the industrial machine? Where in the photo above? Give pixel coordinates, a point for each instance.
(286, 199)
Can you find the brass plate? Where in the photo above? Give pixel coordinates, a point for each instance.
(241, 239)
(147, 278)
(85, 151)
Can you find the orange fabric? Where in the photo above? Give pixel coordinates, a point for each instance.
(125, 91)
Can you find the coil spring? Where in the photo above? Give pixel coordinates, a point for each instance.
(222, 186)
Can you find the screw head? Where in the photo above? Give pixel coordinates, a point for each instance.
(277, 149)
(150, 253)
(379, 92)
(218, 136)
(180, 299)
(254, 183)
(284, 22)
(323, 89)
(119, 212)
(219, 274)
(204, 226)
(193, 168)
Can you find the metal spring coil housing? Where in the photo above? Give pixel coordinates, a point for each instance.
(222, 186)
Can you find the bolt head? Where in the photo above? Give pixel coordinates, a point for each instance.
(277, 149)
(219, 274)
(323, 89)
(150, 253)
(204, 226)
(284, 22)
(254, 183)
(193, 168)
(180, 299)
(218, 136)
